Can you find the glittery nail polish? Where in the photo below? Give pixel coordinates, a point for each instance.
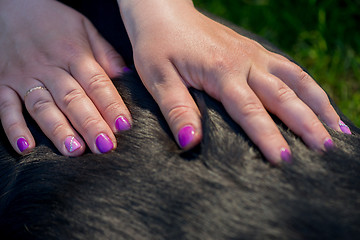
(329, 144)
(104, 143)
(186, 135)
(344, 128)
(72, 144)
(285, 155)
(22, 144)
(122, 124)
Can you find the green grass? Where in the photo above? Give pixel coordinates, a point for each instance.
(322, 36)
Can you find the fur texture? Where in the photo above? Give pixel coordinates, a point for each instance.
(150, 189)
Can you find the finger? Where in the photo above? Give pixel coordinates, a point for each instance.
(52, 121)
(104, 53)
(279, 99)
(81, 111)
(13, 121)
(307, 90)
(99, 88)
(247, 110)
(176, 104)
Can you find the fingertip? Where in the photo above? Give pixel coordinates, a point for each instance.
(280, 156)
(188, 137)
(23, 146)
(104, 143)
(74, 146)
(344, 128)
(285, 155)
(328, 144)
(122, 123)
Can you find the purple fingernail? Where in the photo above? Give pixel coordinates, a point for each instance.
(122, 124)
(285, 155)
(126, 70)
(22, 144)
(328, 144)
(186, 135)
(103, 143)
(72, 144)
(344, 128)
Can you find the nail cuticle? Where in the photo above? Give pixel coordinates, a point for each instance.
(344, 128)
(328, 144)
(22, 144)
(122, 123)
(186, 135)
(72, 144)
(104, 143)
(285, 155)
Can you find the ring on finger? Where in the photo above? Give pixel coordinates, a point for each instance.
(34, 89)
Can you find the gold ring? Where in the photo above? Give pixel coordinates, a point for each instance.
(34, 89)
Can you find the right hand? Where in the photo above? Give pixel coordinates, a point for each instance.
(48, 45)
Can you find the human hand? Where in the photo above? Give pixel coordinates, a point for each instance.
(176, 47)
(54, 60)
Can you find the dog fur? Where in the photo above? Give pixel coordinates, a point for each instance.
(148, 188)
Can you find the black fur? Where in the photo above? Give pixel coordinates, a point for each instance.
(150, 189)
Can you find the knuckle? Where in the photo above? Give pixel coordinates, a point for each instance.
(73, 95)
(12, 126)
(271, 135)
(112, 54)
(284, 94)
(312, 127)
(112, 107)
(58, 128)
(251, 108)
(303, 79)
(39, 105)
(176, 113)
(90, 123)
(68, 48)
(5, 105)
(220, 62)
(97, 81)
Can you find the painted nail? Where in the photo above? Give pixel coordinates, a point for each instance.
(126, 70)
(72, 144)
(328, 144)
(103, 143)
(285, 155)
(22, 144)
(122, 124)
(186, 135)
(344, 128)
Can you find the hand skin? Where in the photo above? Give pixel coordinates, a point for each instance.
(45, 43)
(176, 47)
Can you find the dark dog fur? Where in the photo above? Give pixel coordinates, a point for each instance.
(149, 189)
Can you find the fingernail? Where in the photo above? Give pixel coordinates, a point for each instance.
(126, 70)
(285, 155)
(103, 143)
(328, 144)
(186, 135)
(122, 124)
(344, 128)
(22, 144)
(72, 144)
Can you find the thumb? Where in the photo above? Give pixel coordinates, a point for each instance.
(107, 57)
(176, 104)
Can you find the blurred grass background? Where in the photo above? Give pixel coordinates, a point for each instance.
(322, 36)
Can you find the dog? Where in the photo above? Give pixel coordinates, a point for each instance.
(148, 188)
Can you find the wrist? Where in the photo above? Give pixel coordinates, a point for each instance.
(138, 15)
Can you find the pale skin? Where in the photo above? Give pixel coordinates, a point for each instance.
(175, 47)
